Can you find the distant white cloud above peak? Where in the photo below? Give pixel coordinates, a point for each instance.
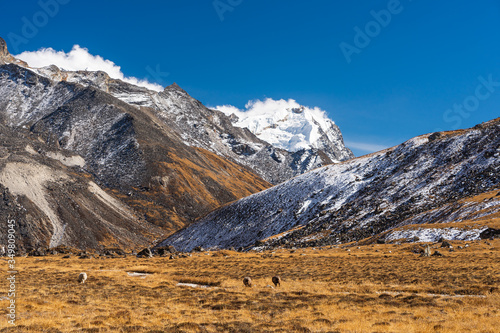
(80, 58)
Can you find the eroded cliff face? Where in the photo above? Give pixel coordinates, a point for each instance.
(53, 201)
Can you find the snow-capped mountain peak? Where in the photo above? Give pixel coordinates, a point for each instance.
(288, 125)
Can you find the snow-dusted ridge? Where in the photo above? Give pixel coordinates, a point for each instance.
(319, 143)
(361, 197)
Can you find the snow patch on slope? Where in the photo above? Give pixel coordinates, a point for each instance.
(435, 234)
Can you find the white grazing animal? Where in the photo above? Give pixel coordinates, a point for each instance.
(82, 277)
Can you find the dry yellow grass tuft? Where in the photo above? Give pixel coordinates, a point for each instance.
(373, 288)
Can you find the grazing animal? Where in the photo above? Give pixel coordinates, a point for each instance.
(82, 277)
(276, 281)
(247, 281)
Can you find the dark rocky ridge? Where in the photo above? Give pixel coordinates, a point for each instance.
(361, 197)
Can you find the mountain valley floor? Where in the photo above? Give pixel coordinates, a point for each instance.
(348, 288)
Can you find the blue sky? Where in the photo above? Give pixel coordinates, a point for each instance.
(431, 66)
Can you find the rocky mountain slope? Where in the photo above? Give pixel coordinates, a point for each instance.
(127, 149)
(54, 202)
(419, 181)
(202, 127)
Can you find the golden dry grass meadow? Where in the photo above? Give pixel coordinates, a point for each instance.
(370, 288)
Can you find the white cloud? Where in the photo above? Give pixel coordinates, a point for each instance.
(274, 111)
(364, 146)
(80, 59)
(228, 109)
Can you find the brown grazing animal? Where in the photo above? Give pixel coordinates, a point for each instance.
(247, 281)
(276, 281)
